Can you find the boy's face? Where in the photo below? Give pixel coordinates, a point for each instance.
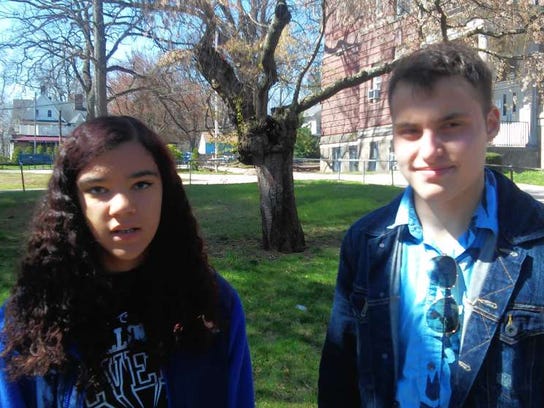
(440, 138)
(120, 193)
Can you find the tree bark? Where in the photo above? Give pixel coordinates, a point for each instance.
(269, 145)
(281, 228)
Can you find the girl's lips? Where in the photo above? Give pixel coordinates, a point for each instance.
(124, 233)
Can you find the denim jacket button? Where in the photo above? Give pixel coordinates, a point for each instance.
(511, 329)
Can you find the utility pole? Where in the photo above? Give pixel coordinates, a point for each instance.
(35, 124)
(215, 107)
(60, 127)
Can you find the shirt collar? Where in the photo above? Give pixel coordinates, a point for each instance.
(485, 215)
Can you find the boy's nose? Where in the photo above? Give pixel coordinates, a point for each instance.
(430, 144)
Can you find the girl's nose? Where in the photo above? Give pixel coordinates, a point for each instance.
(120, 204)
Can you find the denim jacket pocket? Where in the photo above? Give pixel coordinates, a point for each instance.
(520, 322)
(359, 303)
(516, 368)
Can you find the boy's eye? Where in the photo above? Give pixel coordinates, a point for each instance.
(407, 132)
(452, 124)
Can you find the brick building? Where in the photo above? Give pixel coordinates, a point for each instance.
(356, 126)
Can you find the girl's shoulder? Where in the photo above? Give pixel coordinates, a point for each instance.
(228, 296)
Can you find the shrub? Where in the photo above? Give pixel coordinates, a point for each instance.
(175, 152)
(194, 159)
(493, 158)
(307, 145)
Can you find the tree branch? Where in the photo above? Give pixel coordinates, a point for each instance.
(344, 83)
(282, 17)
(315, 52)
(222, 77)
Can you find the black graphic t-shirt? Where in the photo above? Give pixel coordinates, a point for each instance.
(131, 381)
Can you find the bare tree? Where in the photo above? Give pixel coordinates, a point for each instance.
(167, 97)
(69, 44)
(246, 65)
(258, 54)
(257, 58)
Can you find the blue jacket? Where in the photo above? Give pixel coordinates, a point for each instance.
(221, 377)
(502, 360)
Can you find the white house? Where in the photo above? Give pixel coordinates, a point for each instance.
(45, 121)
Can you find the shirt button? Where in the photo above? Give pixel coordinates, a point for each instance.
(381, 245)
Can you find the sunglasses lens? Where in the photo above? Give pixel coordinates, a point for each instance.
(444, 271)
(443, 316)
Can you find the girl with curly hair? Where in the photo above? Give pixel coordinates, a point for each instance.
(115, 304)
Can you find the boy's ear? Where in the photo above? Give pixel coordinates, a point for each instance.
(493, 123)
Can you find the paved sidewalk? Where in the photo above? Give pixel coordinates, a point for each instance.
(238, 175)
(234, 175)
(247, 175)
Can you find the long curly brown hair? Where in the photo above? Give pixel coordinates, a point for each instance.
(56, 314)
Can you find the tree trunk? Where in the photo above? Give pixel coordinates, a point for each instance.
(281, 227)
(268, 145)
(100, 79)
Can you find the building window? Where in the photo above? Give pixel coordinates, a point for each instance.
(37, 113)
(379, 7)
(373, 157)
(335, 159)
(403, 7)
(514, 102)
(353, 158)
(49, 114)
(374, 92)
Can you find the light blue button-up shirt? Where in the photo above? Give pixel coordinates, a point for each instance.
(425, 355)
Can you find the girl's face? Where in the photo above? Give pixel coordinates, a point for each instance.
(120, 194)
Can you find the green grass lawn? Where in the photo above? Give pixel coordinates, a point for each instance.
(535, 177)
(287, 298)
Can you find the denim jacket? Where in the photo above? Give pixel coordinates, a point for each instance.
(220, 377)
(501, 363)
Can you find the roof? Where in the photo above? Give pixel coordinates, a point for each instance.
(26, 110)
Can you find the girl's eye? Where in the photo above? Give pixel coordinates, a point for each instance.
(142, 185)
(97, 190)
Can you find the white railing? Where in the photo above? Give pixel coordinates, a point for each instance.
(512, 134)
